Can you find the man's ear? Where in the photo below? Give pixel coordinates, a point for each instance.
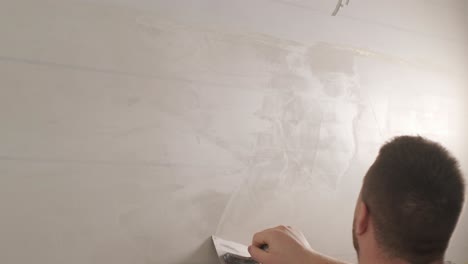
(362, 218)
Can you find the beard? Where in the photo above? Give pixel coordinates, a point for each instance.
(355, 241)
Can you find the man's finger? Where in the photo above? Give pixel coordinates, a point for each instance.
(261, 238)
(258, 254)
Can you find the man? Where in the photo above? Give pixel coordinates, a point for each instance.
(407, 210)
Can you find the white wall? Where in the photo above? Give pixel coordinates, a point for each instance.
(133, 130)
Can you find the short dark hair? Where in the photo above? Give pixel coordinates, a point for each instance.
(414, 192)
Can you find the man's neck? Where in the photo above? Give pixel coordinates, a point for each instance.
(378, 258)
(317, 258)
(383, 261)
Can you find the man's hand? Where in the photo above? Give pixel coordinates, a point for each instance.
(285, 245)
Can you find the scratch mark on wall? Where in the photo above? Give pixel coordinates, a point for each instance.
(339, 5)
(83, 68)
(104, 162)
(385, 57)
(364, 21)
(371, 104)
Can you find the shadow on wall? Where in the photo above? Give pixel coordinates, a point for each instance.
(204, 254)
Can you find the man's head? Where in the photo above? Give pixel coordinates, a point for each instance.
(410, 201)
